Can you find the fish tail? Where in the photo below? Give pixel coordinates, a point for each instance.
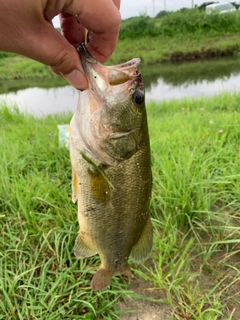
(127, 272)
(101, 279)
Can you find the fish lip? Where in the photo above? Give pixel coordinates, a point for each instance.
(126, 66)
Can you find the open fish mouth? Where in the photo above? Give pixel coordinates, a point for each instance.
(124, 76)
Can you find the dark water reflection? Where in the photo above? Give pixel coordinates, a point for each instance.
(192, 72)
(162, 82)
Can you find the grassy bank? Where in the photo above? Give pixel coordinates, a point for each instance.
(193, 272)
(178, 36)
(17, 67)
(161, 49)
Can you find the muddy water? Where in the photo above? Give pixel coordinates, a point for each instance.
(162, 82)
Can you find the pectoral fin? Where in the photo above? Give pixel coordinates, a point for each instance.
(99, 187)
(81, 249)
(75, 186)
(142, 249)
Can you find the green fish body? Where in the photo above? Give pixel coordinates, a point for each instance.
(111, 169)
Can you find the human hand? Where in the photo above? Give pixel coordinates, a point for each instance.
(26, 28)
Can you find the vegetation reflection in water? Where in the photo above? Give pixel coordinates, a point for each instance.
(177, 74)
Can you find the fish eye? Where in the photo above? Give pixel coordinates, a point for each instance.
(138, 97)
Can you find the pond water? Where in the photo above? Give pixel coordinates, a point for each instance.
(162, 82)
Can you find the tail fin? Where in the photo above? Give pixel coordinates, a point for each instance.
(101, 279)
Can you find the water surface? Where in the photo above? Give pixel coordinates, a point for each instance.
(162, 82)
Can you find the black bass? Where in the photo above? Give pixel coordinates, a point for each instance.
(111, 168)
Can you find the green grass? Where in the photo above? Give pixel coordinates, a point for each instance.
(186, 22)
(161, 49)
(18, 67)
(181, 35)
(194, 268)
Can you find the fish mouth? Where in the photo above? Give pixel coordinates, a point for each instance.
(121, 78)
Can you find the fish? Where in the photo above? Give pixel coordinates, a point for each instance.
(111, 168)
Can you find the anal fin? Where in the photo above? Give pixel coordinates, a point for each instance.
(142, 249)
(81, 249)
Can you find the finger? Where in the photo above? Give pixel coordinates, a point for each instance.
(102, 19)
(45, 44)
(117, 3)
(72, 30)
(101, 46)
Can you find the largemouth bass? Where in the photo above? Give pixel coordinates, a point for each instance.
(111, 169)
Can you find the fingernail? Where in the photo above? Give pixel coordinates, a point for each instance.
(77, 79)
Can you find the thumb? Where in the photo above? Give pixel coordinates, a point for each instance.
(66, 62)
(45, 44)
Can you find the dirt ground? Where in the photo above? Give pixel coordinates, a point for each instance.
(231, 284)
(228, 279)
(144, 309)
